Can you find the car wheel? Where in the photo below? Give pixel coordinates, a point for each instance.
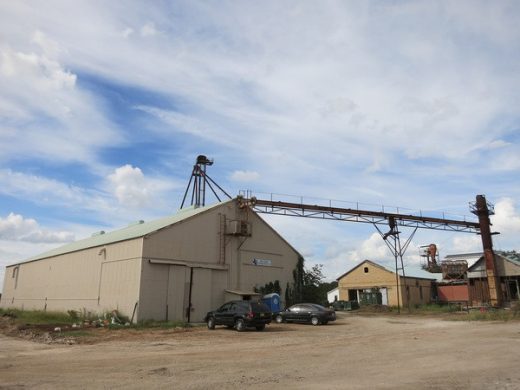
(211, 323)
(315, 321)
(240, 325)
(278, 319)
(260, 327)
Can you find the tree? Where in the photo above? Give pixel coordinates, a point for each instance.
(299, 279)
(312, 281)
(271, 287)
(308, 285)
(314, 276)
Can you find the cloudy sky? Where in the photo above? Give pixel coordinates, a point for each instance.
(104, 107)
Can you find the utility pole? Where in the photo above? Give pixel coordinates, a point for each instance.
(481, 209)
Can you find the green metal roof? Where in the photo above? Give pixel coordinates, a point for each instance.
(510, 255)
(132, 231)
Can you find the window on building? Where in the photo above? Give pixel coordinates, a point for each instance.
(366, 270)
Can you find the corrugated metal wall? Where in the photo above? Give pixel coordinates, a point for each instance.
(95, 279)
(453, 293)
(197, 244)
(196, 255)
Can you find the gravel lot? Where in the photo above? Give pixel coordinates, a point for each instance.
(355, 352)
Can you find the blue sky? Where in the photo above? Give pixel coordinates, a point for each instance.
(104, 107)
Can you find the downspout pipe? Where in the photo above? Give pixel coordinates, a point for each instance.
(188, 309)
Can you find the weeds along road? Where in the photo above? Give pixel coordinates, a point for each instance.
(355, 352)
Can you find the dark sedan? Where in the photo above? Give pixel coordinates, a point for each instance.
(306, 312)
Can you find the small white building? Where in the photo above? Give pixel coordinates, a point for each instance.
(333, 295)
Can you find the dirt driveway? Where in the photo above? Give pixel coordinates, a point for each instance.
(355, 352)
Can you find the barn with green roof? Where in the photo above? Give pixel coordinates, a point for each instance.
(176, 268)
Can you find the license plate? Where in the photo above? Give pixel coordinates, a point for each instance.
(261, 314)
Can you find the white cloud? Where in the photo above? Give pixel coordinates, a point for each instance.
(321, 100)
(42, 72)
(127, 32)
(129, 186)
(506, 221)
(145, 194)
(41, 190)
(497, 144)
(507, 216)
(41, 102)
(245, 176)
(122, 196)
(178, 122)
(373, 248)
(507, 160)
(272, 85)
(49, 47)
(148, 29)
(466, 244)
(17, 228)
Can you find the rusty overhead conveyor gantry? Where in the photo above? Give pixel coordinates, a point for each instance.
(394, 220)
(199, 180)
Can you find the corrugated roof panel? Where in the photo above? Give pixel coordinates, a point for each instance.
(127, 233)
(413, 272)
(511, 256)
(471, 258)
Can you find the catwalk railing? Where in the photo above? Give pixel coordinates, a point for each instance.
(357, 214)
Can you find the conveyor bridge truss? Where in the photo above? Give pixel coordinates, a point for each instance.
(356, 214)
(392, 220)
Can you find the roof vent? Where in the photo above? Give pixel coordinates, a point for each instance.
(140, 222)
(98, 233)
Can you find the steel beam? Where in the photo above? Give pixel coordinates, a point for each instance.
(357, 215)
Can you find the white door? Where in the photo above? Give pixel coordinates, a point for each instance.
(384, 296)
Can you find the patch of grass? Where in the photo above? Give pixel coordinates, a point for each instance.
(490, 314)
(434, 308)
(148, 324)
(375, 309)
(37, 316)
(417, 309)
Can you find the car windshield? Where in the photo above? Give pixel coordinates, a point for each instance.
(259, 307)
(225, 307)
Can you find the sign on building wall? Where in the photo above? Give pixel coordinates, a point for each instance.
(262, 262)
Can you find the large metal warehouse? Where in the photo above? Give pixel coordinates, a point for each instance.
(176, 268)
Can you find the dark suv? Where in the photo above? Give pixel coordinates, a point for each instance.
(239, 315)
